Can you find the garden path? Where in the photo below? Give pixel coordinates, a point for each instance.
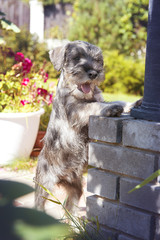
(28, 200)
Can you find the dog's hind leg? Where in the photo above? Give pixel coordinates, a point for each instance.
(74, 192)
(40, 196)
(44, 178)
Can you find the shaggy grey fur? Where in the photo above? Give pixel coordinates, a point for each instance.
(64, 155)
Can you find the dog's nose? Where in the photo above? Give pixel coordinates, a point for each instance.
(92, 74)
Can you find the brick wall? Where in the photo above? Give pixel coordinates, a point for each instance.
(123, 152)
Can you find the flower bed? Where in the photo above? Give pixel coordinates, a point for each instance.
(23, 89)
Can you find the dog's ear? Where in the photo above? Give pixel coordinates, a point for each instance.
(57, 57)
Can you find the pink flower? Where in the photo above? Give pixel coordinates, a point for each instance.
(45, 77)
(23, 102)
(25, 81)
(34, 85)
(27, 64)
(42, 91)
(50, 98)
(19, 57)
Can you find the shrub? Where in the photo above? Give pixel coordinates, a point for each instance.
(121, 25)
(44, 120)
(27, 44)
(123, 74)
(23, 87)
(6, 25)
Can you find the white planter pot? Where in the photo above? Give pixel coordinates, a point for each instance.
(18, 132)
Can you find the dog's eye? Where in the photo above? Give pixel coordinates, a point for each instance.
(100, 61)
(77, 58)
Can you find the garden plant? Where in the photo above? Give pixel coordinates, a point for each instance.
(25, 223)
(22, 87)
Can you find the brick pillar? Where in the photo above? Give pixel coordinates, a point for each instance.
(123, 152)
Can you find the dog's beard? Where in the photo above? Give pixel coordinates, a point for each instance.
(85, 91)
(80, 86)
(86, 88)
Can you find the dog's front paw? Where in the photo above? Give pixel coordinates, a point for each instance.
(114, 110)
(138, 103)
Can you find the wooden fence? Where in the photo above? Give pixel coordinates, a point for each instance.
(16, 11)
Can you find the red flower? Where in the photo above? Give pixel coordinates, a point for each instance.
(45, 77)
(42, 91)
(19, 57)
(50, 98)
(23, 102)
(25, 81)
(27, 64)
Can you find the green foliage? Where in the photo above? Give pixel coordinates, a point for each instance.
(80, 228)
(123, 74)
(49, 2)
(121, 25)
(54, 33)
(110, 97)
(27, 44)
(23, 87)
(90, 22)
(22, 164)
(6, 25)
(11, 190)
(24, 223)
(38, 53)
(133, 26)
(146, 181)
(44, 120)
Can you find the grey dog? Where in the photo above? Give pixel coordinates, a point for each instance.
(64, 155)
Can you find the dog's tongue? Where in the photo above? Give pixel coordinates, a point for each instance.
(86, 87)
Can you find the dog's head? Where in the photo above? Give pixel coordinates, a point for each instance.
(81, 64)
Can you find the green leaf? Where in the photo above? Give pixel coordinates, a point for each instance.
(2, 13)
(6, 24)
(2, 40)
(5, 86)
(52, 200)
(97, 223)
(27, 232)
(27, 224)
(48, 191)
(11, 190)
(146, 181)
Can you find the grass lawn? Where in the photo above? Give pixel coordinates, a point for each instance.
(120, 97)
(22, 164)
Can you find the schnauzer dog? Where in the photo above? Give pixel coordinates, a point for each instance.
(64, 155)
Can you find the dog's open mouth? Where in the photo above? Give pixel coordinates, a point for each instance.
(85, 88)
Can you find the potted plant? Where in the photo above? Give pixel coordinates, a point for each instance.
(42, 131)
(23, 93)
